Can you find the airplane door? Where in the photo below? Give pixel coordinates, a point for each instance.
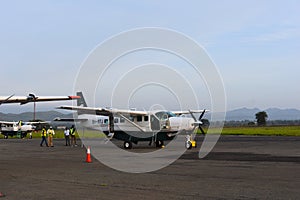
(155, 124)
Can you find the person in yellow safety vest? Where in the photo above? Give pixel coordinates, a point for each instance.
(20, 129)
(50, 133)
(20, 124)
(73, 136)
(44, 134)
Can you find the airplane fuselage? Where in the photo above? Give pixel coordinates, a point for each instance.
(133, 125)
(156, 126)
(14, 129)
(142, 124)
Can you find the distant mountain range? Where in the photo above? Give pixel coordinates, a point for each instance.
(233, 115)
(26, 116)
(273, 114)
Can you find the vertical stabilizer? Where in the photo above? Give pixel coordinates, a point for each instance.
(81, 101)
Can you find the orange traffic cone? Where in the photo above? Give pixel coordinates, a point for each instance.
(88, 155)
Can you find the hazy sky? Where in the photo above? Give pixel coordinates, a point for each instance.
(255, 44)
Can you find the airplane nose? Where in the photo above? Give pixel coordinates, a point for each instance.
(174, 122)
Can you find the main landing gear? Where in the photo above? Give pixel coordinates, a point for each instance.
(159, 143)
(127, 145)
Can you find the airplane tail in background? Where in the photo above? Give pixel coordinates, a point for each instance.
(81, 101)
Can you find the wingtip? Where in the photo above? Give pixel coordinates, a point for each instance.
(74, 97)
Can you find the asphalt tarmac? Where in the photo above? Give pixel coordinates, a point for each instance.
(239, 167)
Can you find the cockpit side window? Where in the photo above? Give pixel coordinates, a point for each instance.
(146, 118)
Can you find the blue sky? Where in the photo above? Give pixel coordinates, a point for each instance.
(255, 44)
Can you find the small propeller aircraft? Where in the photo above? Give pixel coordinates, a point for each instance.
(18, 128)
(132, 126)
(22, 128)
(32, 98)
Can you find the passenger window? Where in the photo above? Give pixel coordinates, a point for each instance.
(139, 118)
(122, 120)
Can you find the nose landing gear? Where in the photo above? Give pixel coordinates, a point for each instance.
(190, 142)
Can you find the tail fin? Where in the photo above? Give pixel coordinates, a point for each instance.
(81, 101)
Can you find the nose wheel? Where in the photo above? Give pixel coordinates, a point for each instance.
(127, 145)
(190, 143)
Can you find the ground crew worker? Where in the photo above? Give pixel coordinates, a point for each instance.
(44, 134)
(20, 135)
(67, 136)
(50, 133)
(73, 137)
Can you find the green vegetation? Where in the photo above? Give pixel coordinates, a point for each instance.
(253, 130)
(261, 118)
(261, 130)
(60, 134)
(266, 130)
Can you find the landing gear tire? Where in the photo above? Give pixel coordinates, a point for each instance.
(188, 145)
(127, 145)
(5, 136)
(159, 143)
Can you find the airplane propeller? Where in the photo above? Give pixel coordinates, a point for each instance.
(199, 121)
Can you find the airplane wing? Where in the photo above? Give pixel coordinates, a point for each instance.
(9, 123)
(188, 112)
(58, 119)
(31, 123)
(102, 111)
(32, 98)
(34, 123)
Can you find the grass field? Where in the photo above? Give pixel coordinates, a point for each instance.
(60, 134)
(264, 131)
(269, 130)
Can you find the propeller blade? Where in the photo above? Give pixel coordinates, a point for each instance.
(202, 131)
(193, 116)
(201, 115)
